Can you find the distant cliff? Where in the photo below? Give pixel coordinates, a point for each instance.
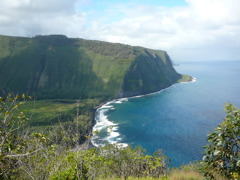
(59, 67)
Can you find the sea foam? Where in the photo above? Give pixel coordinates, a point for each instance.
(105, 131)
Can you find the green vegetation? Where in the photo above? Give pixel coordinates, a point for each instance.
(36, 156)
(111, 161)
(49, 112)
(222, 154)
(185, 78)
(60, 116)
(14, 143)
(48, 138)
(59, 155)
(57, 67)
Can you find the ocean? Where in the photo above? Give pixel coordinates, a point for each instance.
(176, 119)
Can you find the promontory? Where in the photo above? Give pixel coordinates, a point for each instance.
(55, 67)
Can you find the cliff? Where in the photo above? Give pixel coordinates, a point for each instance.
(59, 67)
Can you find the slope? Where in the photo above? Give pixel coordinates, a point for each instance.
(54, 66)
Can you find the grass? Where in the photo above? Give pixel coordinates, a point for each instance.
(185, 175)
(174, 175)
(45, 113)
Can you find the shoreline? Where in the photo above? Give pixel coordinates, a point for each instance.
(110, 124)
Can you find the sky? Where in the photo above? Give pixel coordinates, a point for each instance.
(189, 30)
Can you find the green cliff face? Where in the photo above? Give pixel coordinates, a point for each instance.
(59, 67)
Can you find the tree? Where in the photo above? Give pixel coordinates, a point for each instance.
(222, 154)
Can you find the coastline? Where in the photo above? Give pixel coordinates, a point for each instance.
(101, 121)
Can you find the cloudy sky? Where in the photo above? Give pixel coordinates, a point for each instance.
(189, 30)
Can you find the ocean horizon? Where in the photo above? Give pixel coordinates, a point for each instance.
(176, 119)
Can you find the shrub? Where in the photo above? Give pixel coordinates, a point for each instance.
(222, 154)
(14, 144)
(110, 161)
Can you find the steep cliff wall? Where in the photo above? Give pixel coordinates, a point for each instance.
(59, 67)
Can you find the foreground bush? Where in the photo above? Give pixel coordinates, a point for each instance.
(15, 144)
(111, 161)
(34, 156)
(222, 154)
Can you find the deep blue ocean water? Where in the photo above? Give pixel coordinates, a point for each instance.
(177, 119)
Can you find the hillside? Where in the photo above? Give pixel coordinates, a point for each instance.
(50, 67)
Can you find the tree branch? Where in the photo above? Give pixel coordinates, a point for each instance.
(27, 154)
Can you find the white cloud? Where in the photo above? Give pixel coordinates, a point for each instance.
(206, 29)
(203, 28)
(31, 17)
